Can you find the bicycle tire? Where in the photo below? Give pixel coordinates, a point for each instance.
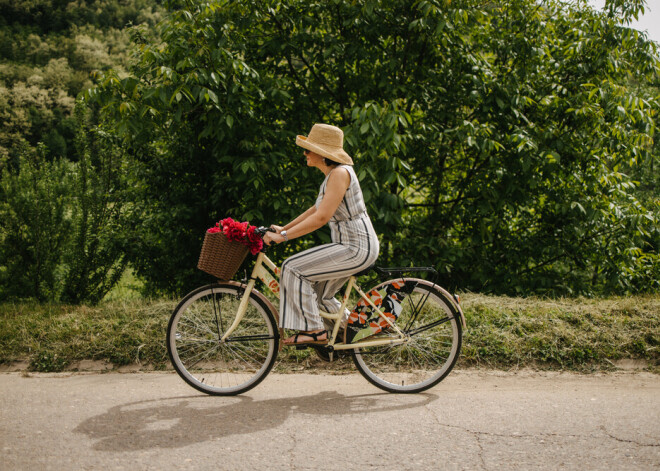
(231, 367)
(435, 338)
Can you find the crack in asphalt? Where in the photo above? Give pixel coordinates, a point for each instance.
(538, 435)
(293, 444)
(478, 434)
(623, 440)
(475, 435)
(514, 435)
(292, 451)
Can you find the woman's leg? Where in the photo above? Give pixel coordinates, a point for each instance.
(299, 302)
(325, 293)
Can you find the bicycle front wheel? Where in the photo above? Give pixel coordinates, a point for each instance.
(200, 357)
(433, 327)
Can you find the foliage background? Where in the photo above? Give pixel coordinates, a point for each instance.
(63, 193)
(509, 144)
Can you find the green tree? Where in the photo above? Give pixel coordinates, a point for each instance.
(491, 139)
(47, 51)
(530, 195)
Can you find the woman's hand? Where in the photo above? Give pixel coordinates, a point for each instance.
(277, 229)
(273, 237)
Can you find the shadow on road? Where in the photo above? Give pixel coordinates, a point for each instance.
(182, 421)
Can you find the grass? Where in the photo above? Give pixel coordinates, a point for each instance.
(52, 336)
(565, 333)
(576, 334)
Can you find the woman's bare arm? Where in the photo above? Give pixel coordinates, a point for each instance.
(297, 220)
(300, 218)
(315, 218)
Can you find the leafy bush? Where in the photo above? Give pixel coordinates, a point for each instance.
(494, 141)
(36, 223)
(64, 224)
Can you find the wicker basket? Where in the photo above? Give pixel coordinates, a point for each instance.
(221, 257)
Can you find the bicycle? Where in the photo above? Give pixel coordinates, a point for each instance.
(223, 338)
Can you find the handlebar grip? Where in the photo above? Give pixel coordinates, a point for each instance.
(262, 230)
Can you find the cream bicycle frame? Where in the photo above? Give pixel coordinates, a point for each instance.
(261, 272)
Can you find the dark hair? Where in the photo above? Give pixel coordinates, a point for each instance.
(330, 163)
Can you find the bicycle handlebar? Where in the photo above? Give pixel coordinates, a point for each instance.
(261, 230)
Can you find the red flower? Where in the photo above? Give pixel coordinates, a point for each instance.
(224, 224)
(239, 232)
(255, 249)
(236, 231)
(256, 243)
(252, 235)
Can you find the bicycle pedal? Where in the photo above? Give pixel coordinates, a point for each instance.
(325, 353)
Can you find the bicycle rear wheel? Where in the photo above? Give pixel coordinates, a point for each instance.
(434, 331)
(209, 365)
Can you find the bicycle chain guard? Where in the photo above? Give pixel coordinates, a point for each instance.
(365, 321)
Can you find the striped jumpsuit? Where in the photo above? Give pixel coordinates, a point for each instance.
(311, 278)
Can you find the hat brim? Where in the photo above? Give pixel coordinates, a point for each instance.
(336, 154)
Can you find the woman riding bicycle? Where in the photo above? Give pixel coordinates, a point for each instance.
(311, 278)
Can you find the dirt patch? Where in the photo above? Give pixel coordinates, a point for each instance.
(314, 365)
(14, 366)
(631, 365)
(86, 366)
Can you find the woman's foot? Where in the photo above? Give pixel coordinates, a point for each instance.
(315, 337)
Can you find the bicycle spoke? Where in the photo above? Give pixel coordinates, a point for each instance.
(195, 322)
(429, 354)
(216, 308)
(244, 358)
(429, 326)
(215, 367)
(193, 341)
(195, 362)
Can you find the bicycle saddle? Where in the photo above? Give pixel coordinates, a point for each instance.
(365, 271)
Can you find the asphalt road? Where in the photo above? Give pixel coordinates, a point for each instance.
(473, 420)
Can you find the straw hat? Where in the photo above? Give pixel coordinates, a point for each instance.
(327, 141)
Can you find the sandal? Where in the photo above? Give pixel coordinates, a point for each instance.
(312, 335)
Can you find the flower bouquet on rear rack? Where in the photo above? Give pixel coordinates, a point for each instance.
(225, 247)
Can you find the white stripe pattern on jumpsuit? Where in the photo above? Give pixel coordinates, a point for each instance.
(310, 279)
